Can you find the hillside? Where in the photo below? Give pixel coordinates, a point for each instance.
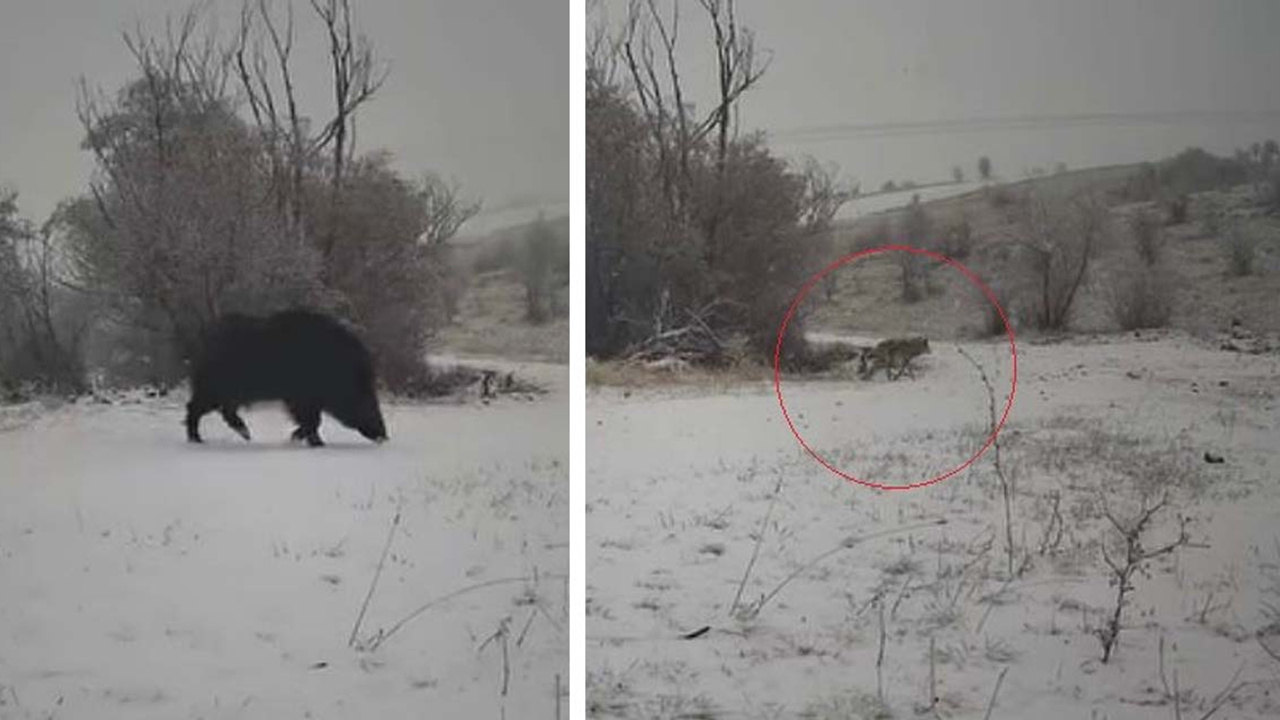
(1205, 296)
(492, 318)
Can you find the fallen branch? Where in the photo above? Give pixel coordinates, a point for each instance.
(755, 552)
(382, 636)
(846, 544)
(1227, 692)
(355, 629)
(502, 633)
(994, 692)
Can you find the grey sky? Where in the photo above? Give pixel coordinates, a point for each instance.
(479, 90)
(860, 62)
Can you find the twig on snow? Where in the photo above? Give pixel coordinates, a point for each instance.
(364, 607)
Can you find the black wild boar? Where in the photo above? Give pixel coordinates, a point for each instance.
(304, 358)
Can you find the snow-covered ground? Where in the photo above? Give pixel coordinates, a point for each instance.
(690, 492)
(871, 204)
(143, 577)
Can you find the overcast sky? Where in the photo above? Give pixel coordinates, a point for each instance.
(479, 90)
(1199, 71)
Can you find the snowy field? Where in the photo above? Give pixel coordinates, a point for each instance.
(882, 202)
(730, 576)
(143, 577)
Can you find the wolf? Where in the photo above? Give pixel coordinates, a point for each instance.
(307, 359)
(894, 356)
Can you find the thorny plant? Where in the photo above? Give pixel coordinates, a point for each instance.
(1133, 559)
(1002, 475)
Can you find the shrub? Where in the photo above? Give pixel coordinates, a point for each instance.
(537, 261)
(1145, 231)
(1178, 210)
(496, 255)
(958, 240)
(1000, 196)
(1211, 220)
(1141, 299)
(879, 235)
(1059, 237)
(1242, 249)
(722, 248)
(1194, 170)
(993, 324)
(916, 231)
(1142, 185)
(1271, 192)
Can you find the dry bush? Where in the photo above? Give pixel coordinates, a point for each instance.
(1271, 192)
(385, 278)
(1144, 228)
(1195, 170)
(691, 228)
(1240, 244)
(878, 235)
(957, 241)
(1127, 556)
(538, 261)
(1212, 217)
(494, 256)
(175, 229)
(1177, 210)
(1141, 298)
(1000, 197)
(993, 324)
(916, 231)
(1141, 186)
(1058, 237)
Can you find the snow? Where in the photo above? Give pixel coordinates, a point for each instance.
(145, 577)
(885, 202)
(681, 483)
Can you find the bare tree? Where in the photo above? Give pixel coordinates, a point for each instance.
(823, 197)
(660, 89)
(916, 230)
(537, 260)
(1058, 237)
(696, 232)
(984, 168)
(41, 325)
(446, 211)
(175, 226)
(356, 76)
(262, 54)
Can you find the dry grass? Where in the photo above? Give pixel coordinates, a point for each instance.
(1193, 260)
(492, 321)
(624, 374)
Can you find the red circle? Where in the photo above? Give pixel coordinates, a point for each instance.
(782, 331)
